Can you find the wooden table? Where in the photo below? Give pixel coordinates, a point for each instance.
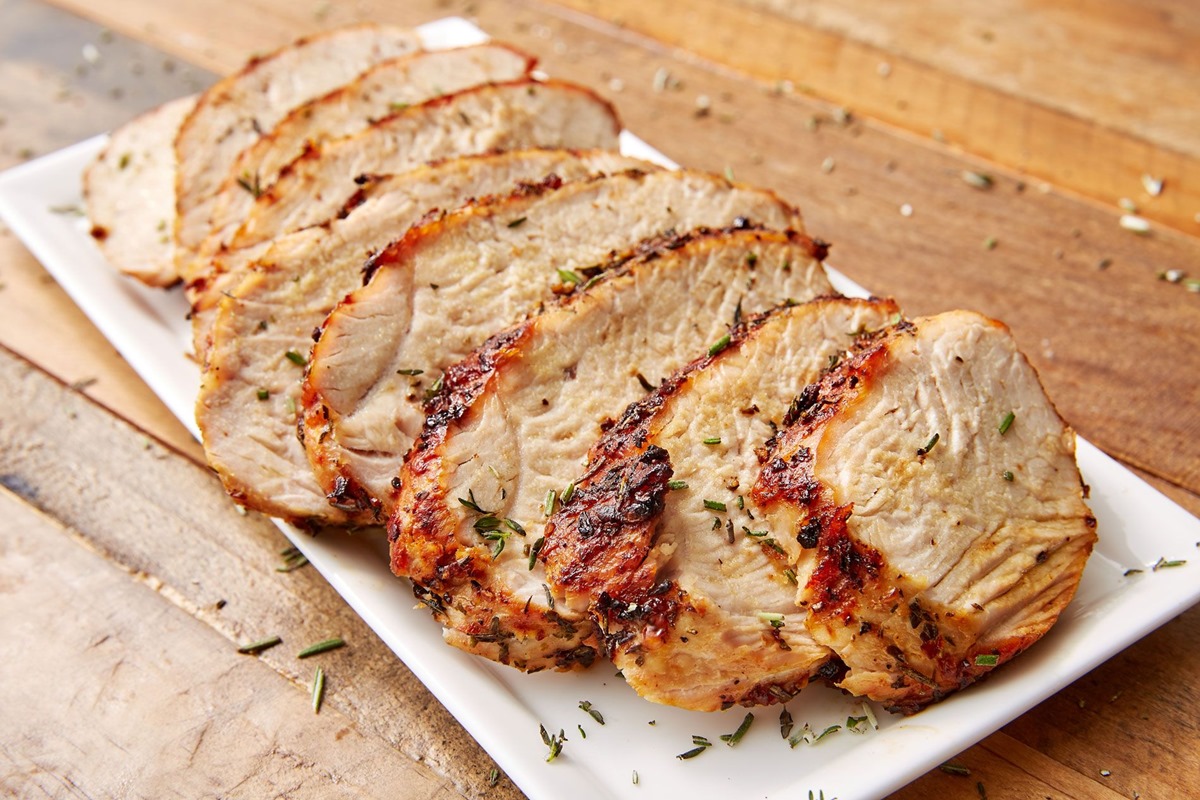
(126, 576)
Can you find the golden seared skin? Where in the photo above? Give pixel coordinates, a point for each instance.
(514, 422)
(934, 490)
(690, 582)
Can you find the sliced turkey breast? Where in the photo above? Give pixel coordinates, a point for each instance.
(513, 424)
(688, 578)
(376, 94)
(130, 195)
(246, 409)
(519, 113)
(234, 112)
(935, 491)
(450, 283)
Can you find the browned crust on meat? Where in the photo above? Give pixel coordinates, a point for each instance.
(850, 585)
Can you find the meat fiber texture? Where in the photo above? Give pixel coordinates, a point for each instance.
(246, 409)
(479, 120)
(690, 582)
(233, 113)
(494, 117)
(935, 492)
(452, 282)
(129, 191)
(514, 421)
(380, 92)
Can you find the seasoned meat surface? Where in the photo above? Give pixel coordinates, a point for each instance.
(452, 282)
(231, 114)
(247, 404)
(520, 113)
(690, 581)
(936, 489)
(378, 93)
(130, 194)
(514, 421)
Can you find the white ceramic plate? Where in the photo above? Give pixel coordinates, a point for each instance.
(502, 708)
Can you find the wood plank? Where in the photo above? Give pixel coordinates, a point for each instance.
(1057, 91)
(166, 520)
(133, 697)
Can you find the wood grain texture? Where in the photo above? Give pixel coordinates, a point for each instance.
(165, 520)
(134, 697)
(1087, 94)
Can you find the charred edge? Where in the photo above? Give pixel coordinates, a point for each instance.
(622, 617)
(99, 233)
(844, 566)
(354, 201)
(349, 495)
(609, 521)
(463, 382)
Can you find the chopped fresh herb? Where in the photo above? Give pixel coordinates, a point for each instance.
(488, 523)
(537, 548)
(751, 259)
(676, 485)
(553, 741)
(982, 791)
(703, 741)
(410, 372)
(732, 739)
(857, 724)
(471, 504)
(695, 751)
(987, 660)
(1008, 476)
(567, 493)
(1007, 422)
(124, 162)
(293, 559)
(1163, 563)
(830, 730)
(318, 690)
(715, 505)
(567, 276)
(711, 440)
(582, 732)
(755, 534)
(870, 715)
(933, 440)
(785, 723)
(990, 243)
(549, 597)
(289, 403)
(952, 768)
(514, 526)
(321, 647)
(1133, 571)
(493, 777)
(436, 387)
(790, 574)
(719, 345)
(773, 617)
(978, 180)
(257, 647)
(262, 394)
(551, 496)
(740, 502)
(518, 222)
(774, 545)
(251, 185)
(596, 715)
(635, 778)
(295, 358)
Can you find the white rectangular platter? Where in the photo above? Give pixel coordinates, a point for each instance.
(634, 754)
